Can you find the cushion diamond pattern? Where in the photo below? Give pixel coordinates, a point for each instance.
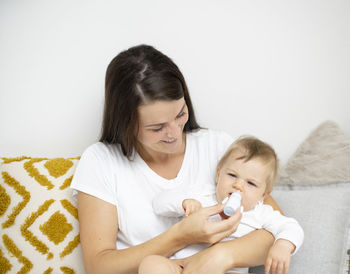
(39, 229)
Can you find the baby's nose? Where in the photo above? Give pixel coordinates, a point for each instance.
(238, 184)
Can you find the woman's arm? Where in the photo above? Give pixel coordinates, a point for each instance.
(98, 222)
(99, 227)
(246, 251)
(270, 201)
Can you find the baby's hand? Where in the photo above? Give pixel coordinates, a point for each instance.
(190, 206)
(278, 258)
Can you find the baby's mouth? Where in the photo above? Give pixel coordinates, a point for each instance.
(230, 193)
(228, 196)
(225, 200)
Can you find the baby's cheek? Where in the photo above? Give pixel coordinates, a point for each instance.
(219, 198)
(219, 194)
(247, 205)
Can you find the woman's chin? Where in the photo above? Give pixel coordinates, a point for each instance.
(172, 147)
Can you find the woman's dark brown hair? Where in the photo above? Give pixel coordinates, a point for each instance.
(139, 75)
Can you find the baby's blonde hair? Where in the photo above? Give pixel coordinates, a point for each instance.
(247, 148)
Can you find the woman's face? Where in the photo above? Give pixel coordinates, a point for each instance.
(161, 125)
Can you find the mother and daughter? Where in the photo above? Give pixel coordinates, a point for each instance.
(154, 164)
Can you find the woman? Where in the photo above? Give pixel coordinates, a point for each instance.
(151, 141)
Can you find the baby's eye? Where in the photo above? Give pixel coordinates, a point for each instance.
(251, 183)
(232, 175)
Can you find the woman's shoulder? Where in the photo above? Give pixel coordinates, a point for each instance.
(98, 148)
(212, 142)
(103, 152)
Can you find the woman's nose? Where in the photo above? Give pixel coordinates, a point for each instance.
(173, 129)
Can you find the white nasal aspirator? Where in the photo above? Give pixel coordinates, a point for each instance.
(233, 203)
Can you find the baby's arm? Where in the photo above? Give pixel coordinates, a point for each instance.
(288, 235)
(168, 203)
(191, 205)
(173, 203)
(278, 258)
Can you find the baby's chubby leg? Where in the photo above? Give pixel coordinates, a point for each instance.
(155, 264)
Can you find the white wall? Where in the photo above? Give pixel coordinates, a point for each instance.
(274, 69)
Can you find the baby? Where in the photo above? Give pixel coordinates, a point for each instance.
(249, 167)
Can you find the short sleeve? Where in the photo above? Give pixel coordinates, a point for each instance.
(93, 175)
(282, 227)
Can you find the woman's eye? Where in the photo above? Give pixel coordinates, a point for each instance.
(157, 129)
(180, 115)
(251, 183)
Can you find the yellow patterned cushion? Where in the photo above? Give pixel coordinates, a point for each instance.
(39, 230)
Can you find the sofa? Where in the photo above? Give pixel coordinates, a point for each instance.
(39, 220)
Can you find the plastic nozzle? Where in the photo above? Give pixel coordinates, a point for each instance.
(233, 203)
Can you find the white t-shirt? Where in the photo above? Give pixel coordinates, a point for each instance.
(104, 172)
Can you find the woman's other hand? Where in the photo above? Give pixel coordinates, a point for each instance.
(248, 250)
(270, 201)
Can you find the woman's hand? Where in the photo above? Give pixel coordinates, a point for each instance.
(196, 228)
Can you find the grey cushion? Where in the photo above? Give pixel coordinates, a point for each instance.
(324, 213)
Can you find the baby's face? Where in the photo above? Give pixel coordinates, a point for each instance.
(247, 177)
